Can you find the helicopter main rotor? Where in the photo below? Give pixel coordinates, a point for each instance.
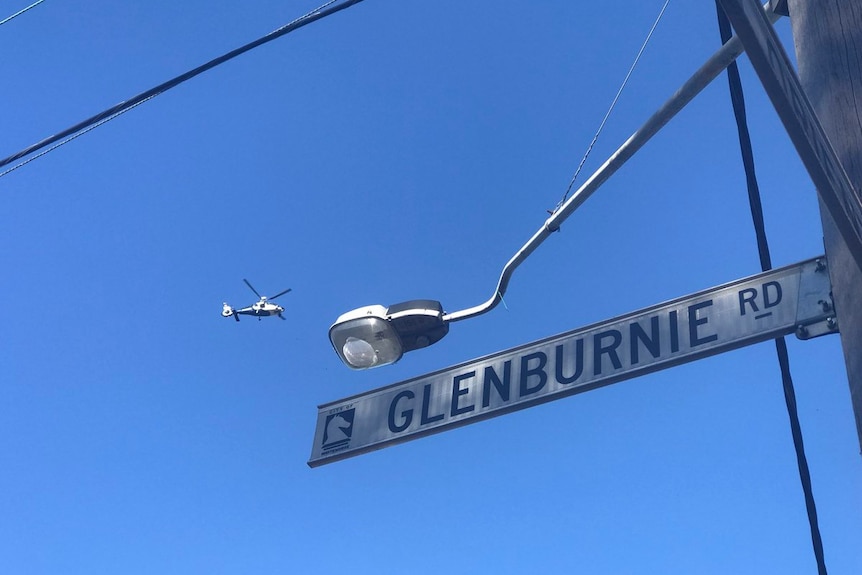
(251, 287)
(264, 298)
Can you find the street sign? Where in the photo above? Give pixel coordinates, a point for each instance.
(791, 299)
(793, 107)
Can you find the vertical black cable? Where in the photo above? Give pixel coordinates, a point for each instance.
(738, 102)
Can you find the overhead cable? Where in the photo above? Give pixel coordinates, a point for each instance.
(21, 11)
(78, 129)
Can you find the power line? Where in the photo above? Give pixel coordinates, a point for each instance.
(73, 137)
(21, 11)
(81, 128)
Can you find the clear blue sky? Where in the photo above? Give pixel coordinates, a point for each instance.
(395, 151)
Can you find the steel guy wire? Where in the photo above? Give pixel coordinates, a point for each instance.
(613, 104)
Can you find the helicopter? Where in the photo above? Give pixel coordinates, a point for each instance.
(262, 308)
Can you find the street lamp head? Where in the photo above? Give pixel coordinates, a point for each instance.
(374, 336)
(363, 338)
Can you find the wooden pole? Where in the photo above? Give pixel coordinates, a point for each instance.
(827, 35)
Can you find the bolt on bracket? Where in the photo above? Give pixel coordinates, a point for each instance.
(816, 311)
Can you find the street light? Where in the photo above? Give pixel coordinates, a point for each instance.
(374, 335)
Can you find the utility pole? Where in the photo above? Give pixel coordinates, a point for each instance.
(821, 109)
(827, 35)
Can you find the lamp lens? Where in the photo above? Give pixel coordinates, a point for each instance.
(359, 352)
(366, 341)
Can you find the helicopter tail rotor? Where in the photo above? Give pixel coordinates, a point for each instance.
(228, 311)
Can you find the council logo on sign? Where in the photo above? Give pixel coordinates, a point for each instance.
(338, 430)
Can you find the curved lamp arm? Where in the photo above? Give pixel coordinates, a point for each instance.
(693, 86)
